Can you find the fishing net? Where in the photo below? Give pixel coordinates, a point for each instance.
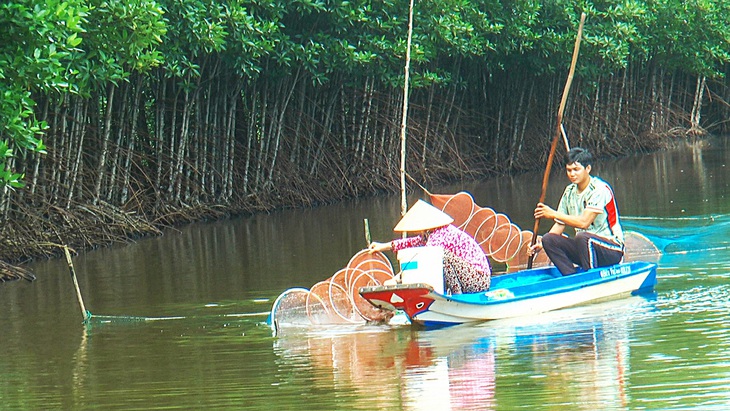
(290, 308)
(504, 242)
(500, 239)
(337, 299)
(459, 206)
(681, 235)
(639, 248)
(367, 270)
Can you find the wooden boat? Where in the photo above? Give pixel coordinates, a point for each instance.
(512, 295)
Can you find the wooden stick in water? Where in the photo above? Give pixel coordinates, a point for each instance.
(367, 232)
(71, 269)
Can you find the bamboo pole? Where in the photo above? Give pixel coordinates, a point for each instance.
(558, 132)
(71, 269)
(368, 239)
(404, 115)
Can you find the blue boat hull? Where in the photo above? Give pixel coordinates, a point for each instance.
(512, 295)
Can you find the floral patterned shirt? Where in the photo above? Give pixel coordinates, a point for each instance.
(450, 238)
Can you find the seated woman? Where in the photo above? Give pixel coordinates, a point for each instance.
(466, 268)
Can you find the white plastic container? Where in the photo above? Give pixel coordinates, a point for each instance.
(423, 265)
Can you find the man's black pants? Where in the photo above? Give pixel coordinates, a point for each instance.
(585, 249)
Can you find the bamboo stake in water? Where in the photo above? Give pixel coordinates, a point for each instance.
(367, 232)
(71, 269)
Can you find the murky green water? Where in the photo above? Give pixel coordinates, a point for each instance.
(179, 320)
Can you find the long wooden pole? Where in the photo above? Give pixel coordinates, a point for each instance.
(404, 114)
(71, 269)
(558, 131)
(368, 239)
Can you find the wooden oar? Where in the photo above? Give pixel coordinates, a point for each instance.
(558, 131)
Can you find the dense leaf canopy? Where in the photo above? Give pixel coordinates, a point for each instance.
(55, 47)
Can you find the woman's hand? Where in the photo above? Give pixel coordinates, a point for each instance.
(376, 246)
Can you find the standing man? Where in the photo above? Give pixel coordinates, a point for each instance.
(587, 205)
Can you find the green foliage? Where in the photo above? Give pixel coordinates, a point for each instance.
(614, 35)
(256, 36)
(37, 44)
(120, 38)
(52, 47)
(55, 47)
(7, 177)
(692, 36)
(38, 41)
(460, 27)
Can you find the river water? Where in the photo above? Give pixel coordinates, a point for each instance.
(178, 321)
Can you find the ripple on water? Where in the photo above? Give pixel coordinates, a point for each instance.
(684, 355)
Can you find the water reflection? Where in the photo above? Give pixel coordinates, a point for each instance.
(588, 359)
(450, 371)
(583, 350)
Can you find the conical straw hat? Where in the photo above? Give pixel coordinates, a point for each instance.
(422, 216)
